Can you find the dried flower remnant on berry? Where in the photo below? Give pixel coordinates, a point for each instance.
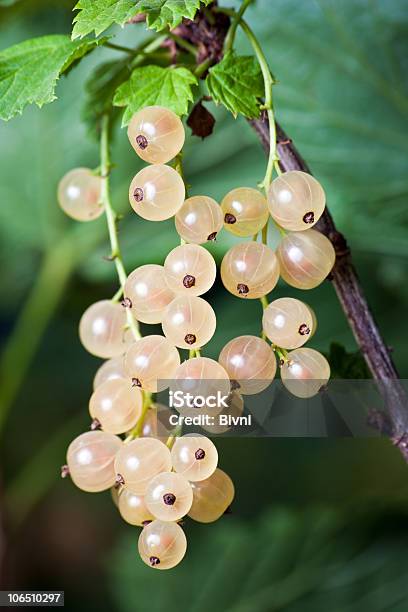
(190, 338)
(309, 217)
(138, 194)
(199, 454)
(242, 288)
(230, 219)
(169, 499)
(141, 141)
(189, 281)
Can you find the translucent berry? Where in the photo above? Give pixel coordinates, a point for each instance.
(189, 322)
(156, 134)
(139, 461)
(102, 329)
(157, 423)
(79, 194)
(162, 545)
(250, 270)
(190, 269)
(296, 200)
(211, 497)
(288, 322)
(235, 409)
(305, 372)
(151, 362)
(133, 508)
(203, 379)
(249, 362)
(110, 370)
(169, 496)
(147, 290)
(305, 258)
(199, 219)
(156, 193)
(245, 211)
(195, 457)
(116, 405)
(90, 458)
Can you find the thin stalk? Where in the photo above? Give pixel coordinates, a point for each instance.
(111, 218)
(147, 402)
(184, 44)
(265, 233)
(230, 38)
(201, 68)
(120, 48)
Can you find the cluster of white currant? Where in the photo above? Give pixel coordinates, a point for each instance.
(168, 294)
(158, 478)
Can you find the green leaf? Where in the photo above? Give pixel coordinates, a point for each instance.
(149, 85)
(29, 71)
(98, 15)
(346, 365)
(236, 82)
(163, 13)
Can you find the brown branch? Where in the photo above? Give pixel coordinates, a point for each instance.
(351, 296)
(209, 36)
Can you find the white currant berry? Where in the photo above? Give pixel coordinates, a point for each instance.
(245, 211)
(90, 459)
(156, 134)
(296, 200)
(288, 322)
(250, 270)
(189, 322)
(162, 545)
(169, 496)
(195, 457)
(138, 461)
(305, 258)
(102, 329)
(211, 497)
(110, 370)
(151, 362)
(148, 292)
(156, 193)
(133, 508)
(190, 269)
(116, 405)
(199, 220)
(79, 194)
(249, 362)
(305, 372)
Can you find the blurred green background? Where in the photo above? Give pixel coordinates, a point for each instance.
(317, 524)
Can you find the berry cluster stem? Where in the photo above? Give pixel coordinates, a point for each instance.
(111, 218)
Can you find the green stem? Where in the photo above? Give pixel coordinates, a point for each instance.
(265, 233)
(178, 166)
(184, 44)
(201, 68)
(264, 301)
(121, 48)
(230, 38)
(147, 402)
(111, 218)
(268, 106)
(38, 309)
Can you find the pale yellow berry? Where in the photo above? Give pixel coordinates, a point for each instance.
(288, 322)
(79, 194)
(110, 370)
(250, 270)
(90, 459)
(148, 292)
(205, 381)
(234, 410)
(195, 457)
(199, 219)
(102, 329)
(151, 362)
(190, 270)
(249, 362)
(156, 193)
(245, 211)
(139, 461)
(296, 200)
(169, 496)
(189, 322)
(133, 508)
(211, 497)
(305, 258)
(162, 545)
(305, 372)
(156, 134)
(156, 423)
(116, 405)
